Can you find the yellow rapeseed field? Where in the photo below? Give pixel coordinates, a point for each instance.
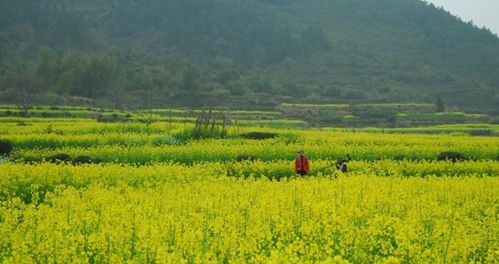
(176, 214)
(155, 197)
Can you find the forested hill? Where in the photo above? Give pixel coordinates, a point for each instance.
(251, 53)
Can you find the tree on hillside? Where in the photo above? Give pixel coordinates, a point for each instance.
(48, 66)
(96, 75)
(440, 105)
(22, 89)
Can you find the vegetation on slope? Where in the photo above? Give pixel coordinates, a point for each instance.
(244, 53)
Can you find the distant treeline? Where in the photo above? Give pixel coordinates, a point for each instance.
(244, 53)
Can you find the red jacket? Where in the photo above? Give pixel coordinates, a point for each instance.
(302, 166)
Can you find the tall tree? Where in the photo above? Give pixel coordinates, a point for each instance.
(23, 87)
(439, 104)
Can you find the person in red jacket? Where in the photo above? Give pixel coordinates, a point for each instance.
(302, 165)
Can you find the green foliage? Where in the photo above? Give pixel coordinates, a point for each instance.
(451, 155)
(440, 107)
(137, 143)
(31, 160)
(79, 160)
(482, 132)
(259, 135)
(154, 53)
(112, 118)
(59, 158)
(5, 147)
(288, 138)
(167, 140)
(245, 157)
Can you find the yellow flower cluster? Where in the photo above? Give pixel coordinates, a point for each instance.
(178, 214)
(193, 202)
(141, 144)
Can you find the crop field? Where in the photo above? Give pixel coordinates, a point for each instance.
(384, 115)
(74, 190)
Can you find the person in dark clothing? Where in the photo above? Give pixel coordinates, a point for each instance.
(341, 165)
(302, 165)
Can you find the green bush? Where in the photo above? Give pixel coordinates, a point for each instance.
(481, 132)
(259, 135)
(399, 157)
(168, 140)
(199, 133)
(451, 155)
(5, 147)
(31, 160)
(59, 158)
(241, 158)
(85, 160)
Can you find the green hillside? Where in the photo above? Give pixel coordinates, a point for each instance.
(244, 53)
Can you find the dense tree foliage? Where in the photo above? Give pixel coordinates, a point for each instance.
(131, 53)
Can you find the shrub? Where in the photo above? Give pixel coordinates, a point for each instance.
(481, 132)
(66, 114)
(83, 160)
(451, 155)
(199, 133)
(5, 147)
(399, 157)
(46, 115)
(114, 118)
(59, 158)
(168, 140)
(243, 157)
(184, 135)
(32, 160)
(259, 135)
